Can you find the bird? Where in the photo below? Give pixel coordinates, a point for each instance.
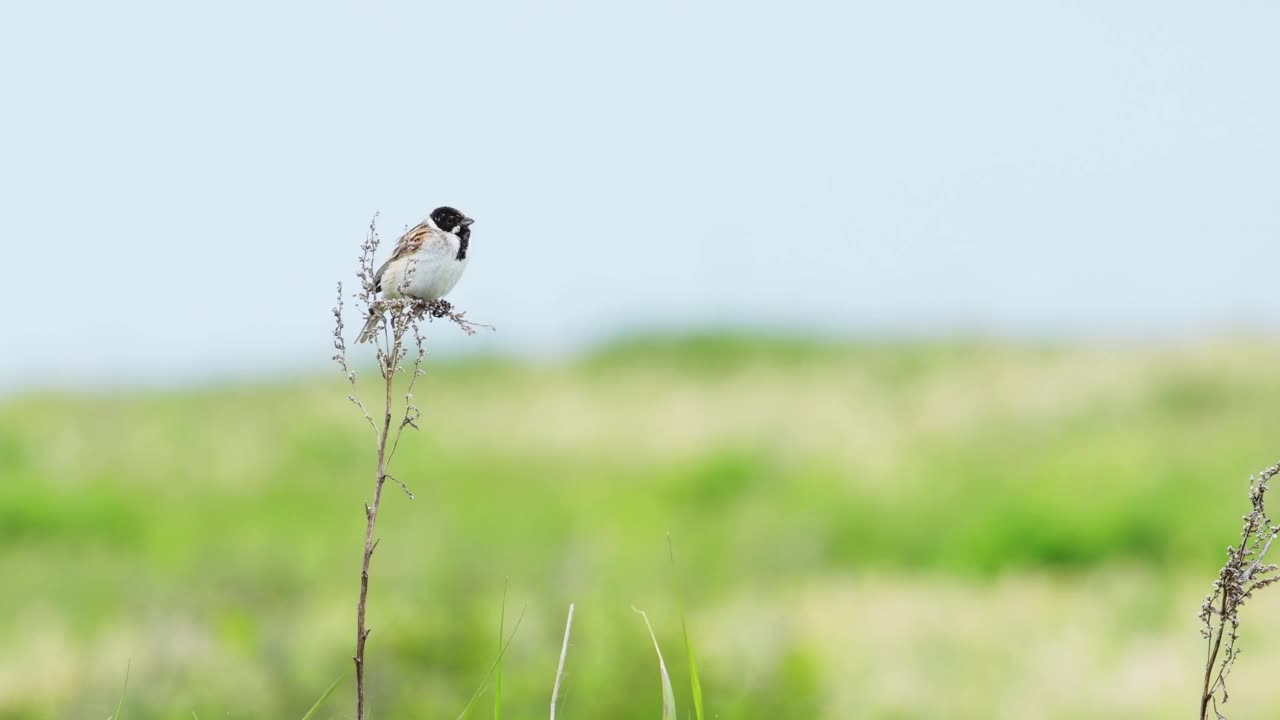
(426, 264)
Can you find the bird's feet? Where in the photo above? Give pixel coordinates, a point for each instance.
(440, 308)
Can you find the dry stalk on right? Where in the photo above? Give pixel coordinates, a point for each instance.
(1240, 577)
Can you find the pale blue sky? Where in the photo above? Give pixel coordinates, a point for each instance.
(182, 185)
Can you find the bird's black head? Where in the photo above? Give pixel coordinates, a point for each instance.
(453, 221)
(450, 220)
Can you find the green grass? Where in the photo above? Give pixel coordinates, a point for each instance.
(668, 693)
(502, 650)
(695, 684)
(213, 534)
(323, 697)
(124, 690)
(495, 670)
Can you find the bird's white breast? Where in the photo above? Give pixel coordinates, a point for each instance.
(430, 273)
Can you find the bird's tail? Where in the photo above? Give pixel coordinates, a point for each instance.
(370, 327)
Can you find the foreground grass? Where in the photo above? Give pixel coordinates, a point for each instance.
(955, 530)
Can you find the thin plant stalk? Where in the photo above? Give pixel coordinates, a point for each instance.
(1243, 574)
(564, 651)
(316, 706)
(371, 521)
(668, 693)
(124, 690)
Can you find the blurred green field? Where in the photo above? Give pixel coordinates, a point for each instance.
(929, 530)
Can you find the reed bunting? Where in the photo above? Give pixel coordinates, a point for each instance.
(426, 264)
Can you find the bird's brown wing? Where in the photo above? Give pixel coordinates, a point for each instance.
(408, 244)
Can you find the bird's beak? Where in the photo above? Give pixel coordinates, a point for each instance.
(466, 222)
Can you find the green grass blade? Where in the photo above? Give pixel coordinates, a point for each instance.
(324, 697)
(497, 678)
(668, 695)
(466, 711)
(694, 683)
(123, 690)
(564, 652)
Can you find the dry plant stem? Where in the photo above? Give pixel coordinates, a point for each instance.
(1206, 695)
(1241, 575)
(564, 650)
(371, 521)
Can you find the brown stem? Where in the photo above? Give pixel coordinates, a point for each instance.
(1207, 691)
(371, 520)
(1205, 695)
